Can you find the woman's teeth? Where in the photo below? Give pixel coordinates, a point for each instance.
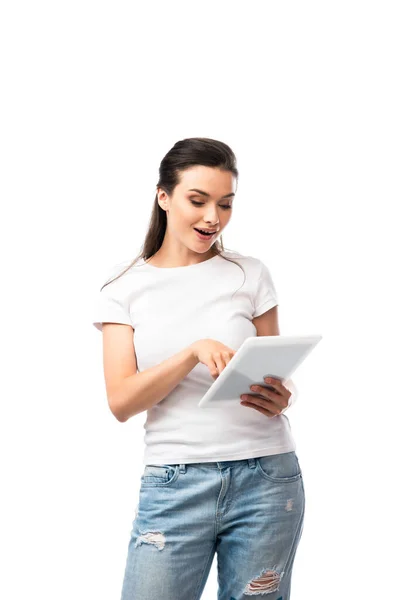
(204, 232)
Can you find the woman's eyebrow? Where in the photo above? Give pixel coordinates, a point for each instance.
(208, 195)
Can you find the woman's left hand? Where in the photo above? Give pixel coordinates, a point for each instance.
(269, 403)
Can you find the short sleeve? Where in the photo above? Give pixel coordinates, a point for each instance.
(265, 293)
(111, 305)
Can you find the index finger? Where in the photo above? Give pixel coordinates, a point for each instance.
(273, 383)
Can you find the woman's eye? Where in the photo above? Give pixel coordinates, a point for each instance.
(225, 206)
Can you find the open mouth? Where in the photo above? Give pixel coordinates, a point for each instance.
(205, 233)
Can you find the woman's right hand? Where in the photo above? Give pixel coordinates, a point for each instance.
(213, 354)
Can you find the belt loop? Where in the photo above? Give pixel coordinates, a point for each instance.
(251, 463)
(182, 468)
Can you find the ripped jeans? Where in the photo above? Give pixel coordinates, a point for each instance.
(250, 512)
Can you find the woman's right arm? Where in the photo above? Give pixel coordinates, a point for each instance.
(143, 390)
(130, 392)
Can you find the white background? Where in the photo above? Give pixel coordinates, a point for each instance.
(93, 96)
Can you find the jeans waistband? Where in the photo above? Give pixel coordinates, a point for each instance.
(251, 462)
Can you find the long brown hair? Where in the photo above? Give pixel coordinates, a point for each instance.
(183, 155)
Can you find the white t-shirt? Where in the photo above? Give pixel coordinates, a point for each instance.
(169, 309)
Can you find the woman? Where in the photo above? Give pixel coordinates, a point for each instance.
(226, 479)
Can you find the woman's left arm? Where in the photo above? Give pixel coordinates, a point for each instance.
(268, 324)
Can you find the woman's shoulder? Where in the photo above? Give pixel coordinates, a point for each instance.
(116, 274)
(245, 259)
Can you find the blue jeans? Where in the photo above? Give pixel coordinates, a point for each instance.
(250, 512)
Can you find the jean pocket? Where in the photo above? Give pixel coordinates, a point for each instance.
(159, 475)
(279, 468)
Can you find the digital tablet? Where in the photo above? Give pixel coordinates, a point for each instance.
(275, 356)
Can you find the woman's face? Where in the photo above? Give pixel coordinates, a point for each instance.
(188, 208)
